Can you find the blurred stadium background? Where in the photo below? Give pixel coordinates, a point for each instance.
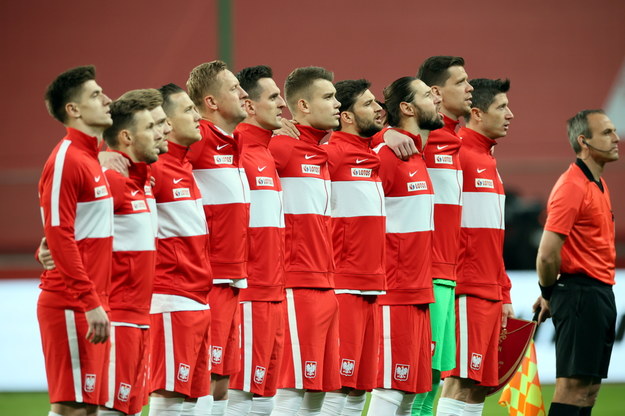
(561, 56)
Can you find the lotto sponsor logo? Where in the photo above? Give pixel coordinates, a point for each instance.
(444, 159)
(259, 374)
(476, 361)
(310, 369)
(90, 380)
(223, 159)
(402, 371)
(138, 205)
(417, 186)
(183, 372)
(347, 367)
(123, 393)
(216, 354)
(100, 191)
(182, 193)
(484, 183)
(264, 181)
(311, 169)
(361, 173)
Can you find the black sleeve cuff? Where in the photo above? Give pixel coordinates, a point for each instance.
(546, 291)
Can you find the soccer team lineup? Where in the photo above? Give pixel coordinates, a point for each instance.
(204, 254)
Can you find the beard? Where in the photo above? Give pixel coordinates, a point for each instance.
(367, 128)
(429, 121)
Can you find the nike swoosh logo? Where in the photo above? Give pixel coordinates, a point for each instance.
(439, 147)
(97, 179)
(360, 160)
(480, 170)
(309, 156)
(261, 169)
(177, 180)
(134, 193)
(413, 173)
(222, 146)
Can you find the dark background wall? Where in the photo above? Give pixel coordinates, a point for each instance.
(562, 56)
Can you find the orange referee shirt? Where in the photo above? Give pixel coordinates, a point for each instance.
(579, 207)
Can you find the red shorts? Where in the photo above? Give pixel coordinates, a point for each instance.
(311, 348)
(262, 336)
(128, 367)
(225, 319)
(478, 325)
(359, 331)
(180, 344)
(75, 368)
(405, 348)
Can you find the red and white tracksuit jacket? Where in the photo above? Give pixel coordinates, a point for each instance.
(444, 167)
(77, 212)
(409, 198)
(480, 270)
(226, 200)
(358, 215)
(182, 266)
(303, 168)
(265, 267)
(134, 246)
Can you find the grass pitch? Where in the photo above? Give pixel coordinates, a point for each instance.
(611, 402)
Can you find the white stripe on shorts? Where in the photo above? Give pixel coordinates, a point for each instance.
(463, 331)
(388, 352)
(247, 346)
(111, 396)
(295, 350)
(72, 340)
(169, 352)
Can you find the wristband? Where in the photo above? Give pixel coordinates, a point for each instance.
(546, 291)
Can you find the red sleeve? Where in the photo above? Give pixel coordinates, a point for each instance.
(117, 183)
(506, 285)
(59, 231)
(388, 169)
(563, 206)
(281, 149)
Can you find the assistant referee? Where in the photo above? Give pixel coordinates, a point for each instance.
(575, 265)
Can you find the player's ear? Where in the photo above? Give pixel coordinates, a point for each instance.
(72, 110)
(436, 91)
(476, 114)
(211, 103)
(124, 137)
(303, 106)
(249, 107)
(347, 117)
(406, 109)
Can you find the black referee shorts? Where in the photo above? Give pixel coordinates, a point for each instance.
(584, 316)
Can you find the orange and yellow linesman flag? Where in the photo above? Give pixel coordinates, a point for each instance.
(523, 395)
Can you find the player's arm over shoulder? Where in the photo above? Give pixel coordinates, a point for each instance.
(402, 145)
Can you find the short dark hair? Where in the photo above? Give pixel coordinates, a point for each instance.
(399, 91)
(485, 90)
(203, 79)
(347, 92)
(298, 81)
(151, 96)
(65, 88)
(122, 112)
(167, 91)
(435, 69)
(248, 79)
(578, 126)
